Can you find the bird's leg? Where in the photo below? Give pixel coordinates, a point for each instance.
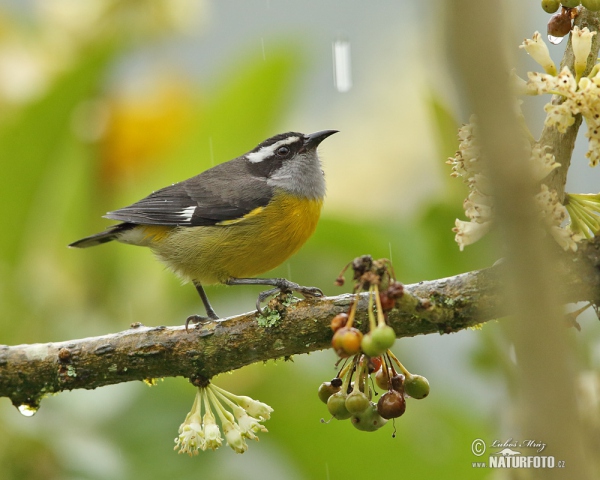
(280, 284)
(211, 315)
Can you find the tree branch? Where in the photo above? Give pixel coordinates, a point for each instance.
(29, 372)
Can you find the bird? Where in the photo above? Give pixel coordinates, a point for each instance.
(232, 222)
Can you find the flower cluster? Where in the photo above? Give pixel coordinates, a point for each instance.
(479, 204)
(576, 95)
(201, 432)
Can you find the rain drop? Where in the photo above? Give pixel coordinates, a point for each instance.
(342, 73)
(262, 45)
(555, 40)
(27, 410)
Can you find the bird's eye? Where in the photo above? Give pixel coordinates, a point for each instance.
(283, 151)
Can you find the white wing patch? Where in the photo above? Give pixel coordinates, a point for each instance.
(266, 152)
(187, 213)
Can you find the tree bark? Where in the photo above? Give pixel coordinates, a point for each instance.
(29, 372)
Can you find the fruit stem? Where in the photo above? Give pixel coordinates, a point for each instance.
(372, 324)
(365, 375)
(406, 373)
(352, 313)
(380, 317)
(344, 369)
(348, 378)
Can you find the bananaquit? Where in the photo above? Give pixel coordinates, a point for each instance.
(234, 221)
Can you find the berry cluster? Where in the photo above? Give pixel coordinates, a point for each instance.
(551, 6)
(350, 394)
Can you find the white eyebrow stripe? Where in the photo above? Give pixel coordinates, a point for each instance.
(187, 213)
(266, 152)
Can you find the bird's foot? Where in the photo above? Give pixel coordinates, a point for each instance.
(285, 286)
(199, 320)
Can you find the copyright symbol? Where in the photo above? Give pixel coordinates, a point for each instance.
(478, 447)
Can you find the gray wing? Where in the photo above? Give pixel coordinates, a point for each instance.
(225, 192)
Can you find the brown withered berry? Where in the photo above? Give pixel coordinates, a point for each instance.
(339, 321)
(391, 405)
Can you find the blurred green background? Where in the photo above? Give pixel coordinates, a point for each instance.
(102, 102)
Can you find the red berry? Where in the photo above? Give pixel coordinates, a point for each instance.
(395, 290)
(387, 302)
(374, 364)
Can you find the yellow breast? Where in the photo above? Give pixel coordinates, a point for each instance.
(246, 247)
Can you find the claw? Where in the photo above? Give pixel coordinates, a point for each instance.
(310, 291)
(287, 287)
(196, 319)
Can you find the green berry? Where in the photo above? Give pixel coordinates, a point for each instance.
(570, 3)
(391, 405)
(550, 6)
(357, 402)
(416, 386)
(592, 5)
(336, 404)
(326, 390)
(368, 420)
(369, 348)
(383, 337)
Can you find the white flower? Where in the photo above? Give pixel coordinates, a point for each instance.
(469, 232)
(248, 425)
(212, 434)
(555, 214)
(537, 48)
(559, 116)
(542, 162)
(581, 40)
(255, 408)
(190, 439)
(234, 437)
(202, 433)
(593, 134)
(522, 86)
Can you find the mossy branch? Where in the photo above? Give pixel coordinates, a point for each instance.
(29, 372)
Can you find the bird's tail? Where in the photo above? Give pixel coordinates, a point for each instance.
(107, 235)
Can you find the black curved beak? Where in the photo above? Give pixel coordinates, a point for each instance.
(313, 140)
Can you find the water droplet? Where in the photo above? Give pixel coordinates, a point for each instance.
(27, 410)
(262, 45)
(555, 40)
(342, 73)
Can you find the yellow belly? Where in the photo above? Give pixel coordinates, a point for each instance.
(260, 242)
